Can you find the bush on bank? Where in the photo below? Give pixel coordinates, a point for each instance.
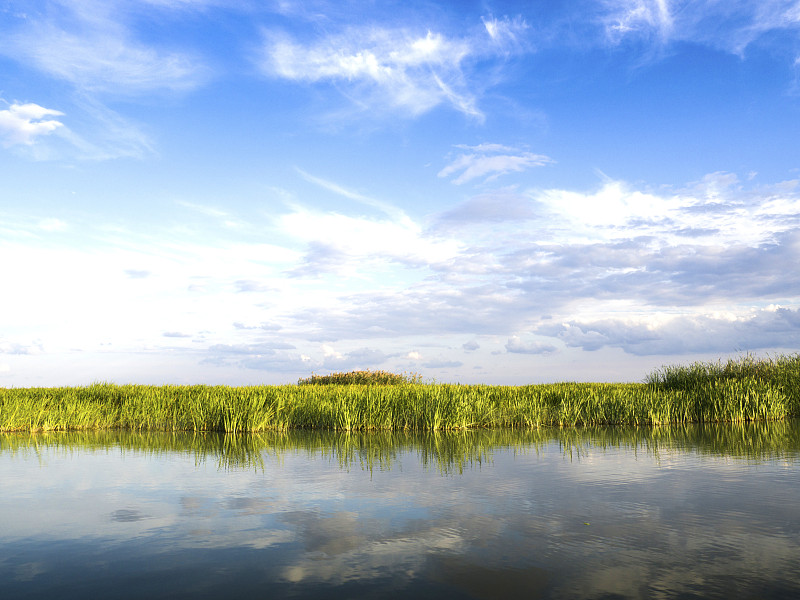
(362, 378)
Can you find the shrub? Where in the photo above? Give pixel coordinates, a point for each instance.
(362, 378)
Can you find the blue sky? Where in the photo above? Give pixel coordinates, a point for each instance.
(199, 191)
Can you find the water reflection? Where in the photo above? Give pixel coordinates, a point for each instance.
(448, 452)
(698, 511)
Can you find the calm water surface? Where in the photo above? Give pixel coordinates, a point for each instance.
(697, 512)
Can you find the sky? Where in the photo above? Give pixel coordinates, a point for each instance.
(239, 193)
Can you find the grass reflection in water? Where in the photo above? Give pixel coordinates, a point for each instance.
(447, 451)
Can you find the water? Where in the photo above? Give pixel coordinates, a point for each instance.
(693, 512)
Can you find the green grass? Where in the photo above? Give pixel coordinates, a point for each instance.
(741, 390)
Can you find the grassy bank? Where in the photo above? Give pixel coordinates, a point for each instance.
(740, 390)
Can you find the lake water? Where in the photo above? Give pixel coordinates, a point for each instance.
(690, 512)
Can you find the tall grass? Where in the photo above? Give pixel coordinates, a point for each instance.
(741, 387)
(738, 391)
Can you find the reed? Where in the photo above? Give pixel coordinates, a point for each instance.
(742, 390)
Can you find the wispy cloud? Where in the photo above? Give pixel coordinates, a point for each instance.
(507, 34)
(25, 123)
(730, 26)
(105, 134)
(388, 209)
(491, 161)
(403, 70)
(90, 46)
(639, 16)
(381, 67)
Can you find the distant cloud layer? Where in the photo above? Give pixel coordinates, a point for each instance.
(767, 328)
(689, 270)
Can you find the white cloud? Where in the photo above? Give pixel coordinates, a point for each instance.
(614, 204)
(330, 353)
(352, 244)
(24, 123)
(485, 161)
(713, 211)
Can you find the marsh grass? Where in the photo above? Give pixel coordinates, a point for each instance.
(742, 390)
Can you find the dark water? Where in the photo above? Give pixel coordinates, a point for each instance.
(697, 512)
